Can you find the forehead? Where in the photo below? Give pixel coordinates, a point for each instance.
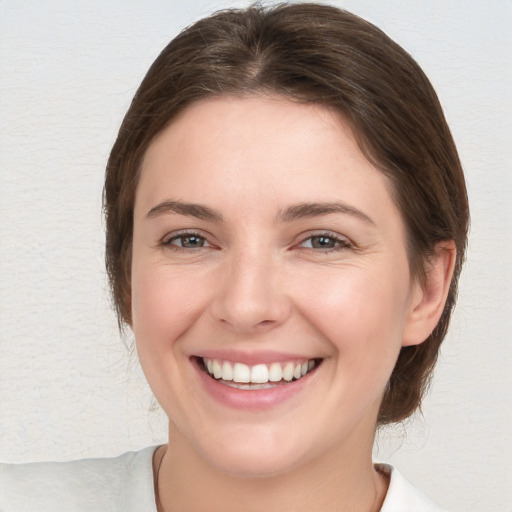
(258, 148)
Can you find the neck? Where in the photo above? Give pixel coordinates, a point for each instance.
(342, 479)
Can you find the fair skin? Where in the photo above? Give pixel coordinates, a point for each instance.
(263, 237)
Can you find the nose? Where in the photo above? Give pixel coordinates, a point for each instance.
(251, 297)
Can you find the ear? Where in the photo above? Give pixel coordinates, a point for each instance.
(429, 298)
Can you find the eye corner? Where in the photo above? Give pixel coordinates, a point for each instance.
(324, 242)
(186, 241)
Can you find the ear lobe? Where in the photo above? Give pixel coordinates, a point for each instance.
(429, 298)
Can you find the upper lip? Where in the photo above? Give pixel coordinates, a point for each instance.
(253, 358)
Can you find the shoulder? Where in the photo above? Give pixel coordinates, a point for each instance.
(402, 496)
(123, 483)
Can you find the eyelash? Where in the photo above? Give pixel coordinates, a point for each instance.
(341, 243)
(168, 242)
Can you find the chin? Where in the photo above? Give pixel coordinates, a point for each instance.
(253, 455)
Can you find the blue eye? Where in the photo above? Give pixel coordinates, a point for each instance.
(324, 241)
(187, 241)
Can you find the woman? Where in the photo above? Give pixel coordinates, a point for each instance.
(286, 223)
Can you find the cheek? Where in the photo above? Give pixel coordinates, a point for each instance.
(164, 304)
(362, 313)
(163, 308)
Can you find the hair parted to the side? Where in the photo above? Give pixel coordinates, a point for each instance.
(311, 53)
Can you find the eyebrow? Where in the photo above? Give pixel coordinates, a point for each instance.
(295, 212)
(188, 209)
(306, 210)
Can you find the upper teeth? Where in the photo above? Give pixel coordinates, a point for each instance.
(259, 373)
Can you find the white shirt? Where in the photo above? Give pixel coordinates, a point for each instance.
(125, 484)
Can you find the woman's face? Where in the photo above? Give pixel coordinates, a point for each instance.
(266, 247)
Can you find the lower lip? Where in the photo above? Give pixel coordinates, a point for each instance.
(253, 399)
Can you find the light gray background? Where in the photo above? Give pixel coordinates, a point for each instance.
(69, 387)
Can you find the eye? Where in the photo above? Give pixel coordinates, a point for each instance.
(186, 241)
(325, 241)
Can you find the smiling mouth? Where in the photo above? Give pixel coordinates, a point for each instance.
(259, 376)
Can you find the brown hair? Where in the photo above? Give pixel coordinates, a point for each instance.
(315, 54)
